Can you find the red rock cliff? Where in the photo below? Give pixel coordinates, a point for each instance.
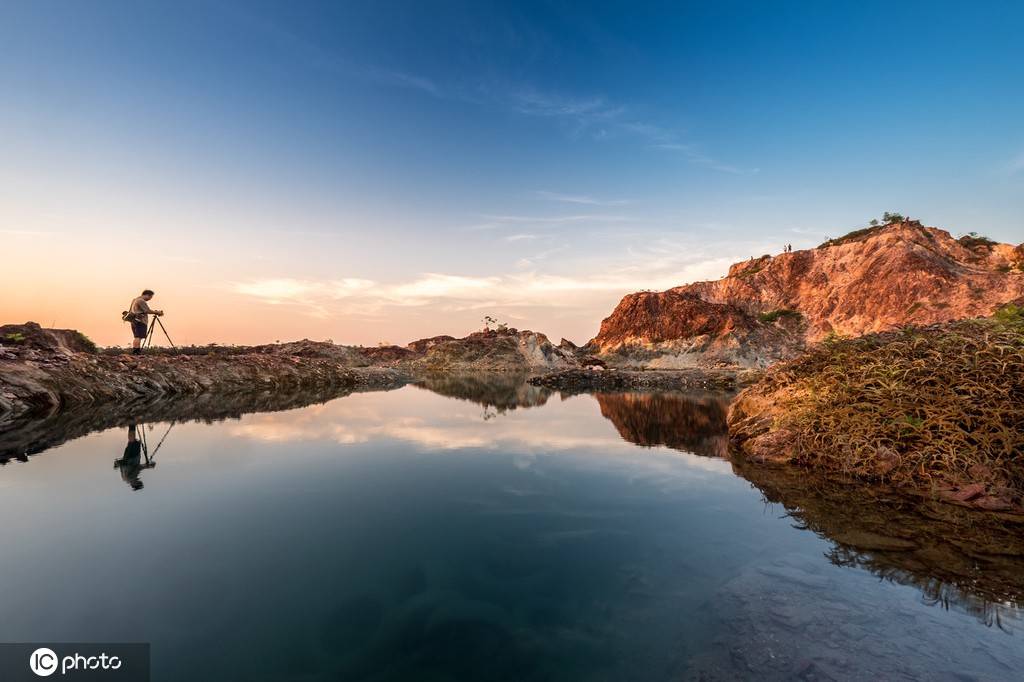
(870, 280)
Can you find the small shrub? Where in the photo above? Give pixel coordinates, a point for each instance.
(973, 240)
(1009, 314)
(851, 236)
(773, 315)
(88, 344)
(14, 337)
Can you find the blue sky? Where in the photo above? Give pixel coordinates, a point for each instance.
(390, 170)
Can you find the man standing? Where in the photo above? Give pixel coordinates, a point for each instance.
(140, 312)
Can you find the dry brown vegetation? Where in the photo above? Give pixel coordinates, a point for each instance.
(938, 407)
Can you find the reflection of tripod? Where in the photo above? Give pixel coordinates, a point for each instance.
(131, 464)
(148, 342)
(145, 446)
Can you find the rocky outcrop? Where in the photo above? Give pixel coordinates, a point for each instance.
(768, 308)
(503, 349)
(677, 328)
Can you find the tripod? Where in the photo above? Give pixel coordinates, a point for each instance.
(152, 327)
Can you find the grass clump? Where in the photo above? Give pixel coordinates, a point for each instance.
(773, 315)
(84, 343)
(756, 266)
(936, 406)
(973, 240)
(1010, 315)
(851, 236)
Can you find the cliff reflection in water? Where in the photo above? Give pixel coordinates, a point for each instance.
(693, 423)
(26, 437)
(688, 422)
(498, 391)
(956, 557)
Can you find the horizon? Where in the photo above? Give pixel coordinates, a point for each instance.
(394, 172)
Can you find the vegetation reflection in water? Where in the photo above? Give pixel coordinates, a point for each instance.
(956, 558)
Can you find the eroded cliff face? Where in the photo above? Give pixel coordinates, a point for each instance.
(768, 308)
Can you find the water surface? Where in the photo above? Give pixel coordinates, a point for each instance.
(478, 528)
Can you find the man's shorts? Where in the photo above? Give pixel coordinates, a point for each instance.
(139, 329)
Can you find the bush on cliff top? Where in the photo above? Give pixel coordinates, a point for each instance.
(939, 405)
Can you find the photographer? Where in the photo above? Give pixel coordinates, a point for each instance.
(139, 317)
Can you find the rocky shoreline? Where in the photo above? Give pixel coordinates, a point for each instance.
(44, 371)
(48, 371)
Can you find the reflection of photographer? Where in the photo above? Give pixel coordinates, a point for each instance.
(131, 464)
(138, 314)
(136, 455)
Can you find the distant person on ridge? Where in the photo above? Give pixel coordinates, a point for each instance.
(140, 312)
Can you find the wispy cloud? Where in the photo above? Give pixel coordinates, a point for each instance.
(603, 119)
(312, 295)
(696, 157)
(595, 115)
(535, 259)
(809, 232)
(28, 233)
(521, 237)
(555, 220)
(438, 286)
(321, 58)
(579, 199)
(660, 264)
(532, 102)
(402, 79)
(1016, 164)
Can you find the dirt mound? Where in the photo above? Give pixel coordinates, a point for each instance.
(938, 408)
(423, 345)
(305, 348)
(387, 355)
(31, 335)
(870, 280)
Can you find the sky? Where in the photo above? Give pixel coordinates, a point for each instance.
(373, 172)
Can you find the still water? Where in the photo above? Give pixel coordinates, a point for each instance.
(485, 530)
